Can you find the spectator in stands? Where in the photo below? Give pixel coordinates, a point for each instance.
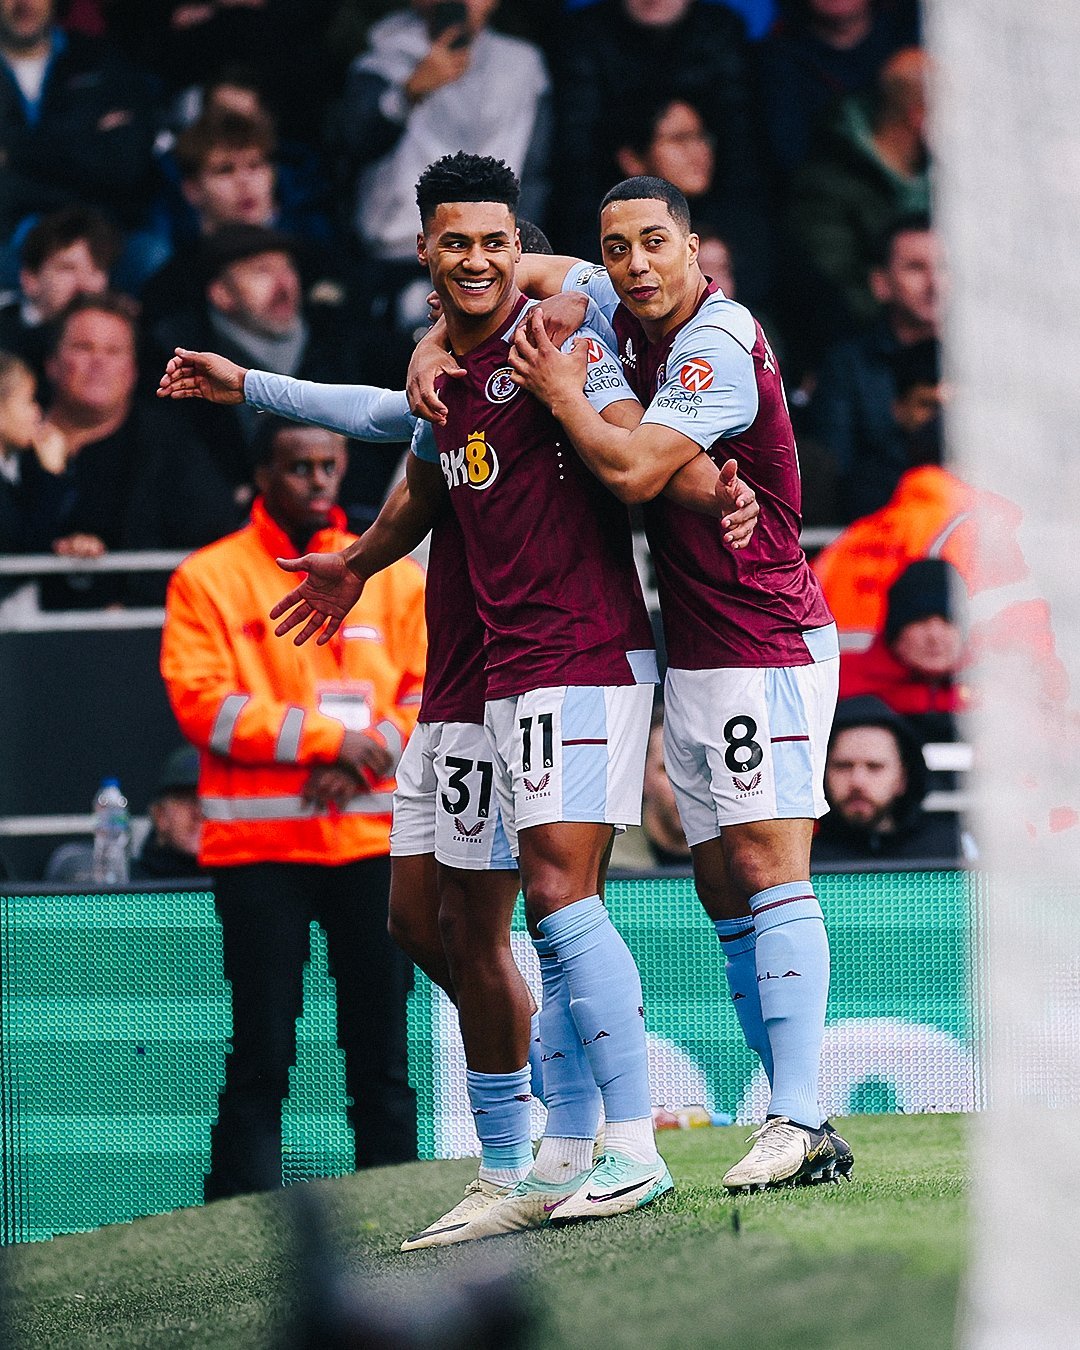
(184, 41)
(171, 848)
(875, 783)
(914, 664)
(858, 568)
(870, 170)
(423, 89)
(67, 253)
(252, 311)
(20, 426)
(104, 442)
(659, 840)
(934, 514)
(228, 176)
(715, 260)
(77, 126)
(820, 52)
(610, 51)
(666, 137)
(853, 410)
(302, 188)
(299, 747)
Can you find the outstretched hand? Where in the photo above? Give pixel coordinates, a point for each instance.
(202, 375)
(739, 502)
(321, 600)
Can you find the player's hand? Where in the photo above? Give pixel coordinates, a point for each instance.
(329, 787)
(538, 365)
(443, 64)
(365, 757)
(321, 600)
(202, 375)
(429, 362)
(740, 504)
(563, 315)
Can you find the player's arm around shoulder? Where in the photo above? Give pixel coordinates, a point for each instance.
(602, 422)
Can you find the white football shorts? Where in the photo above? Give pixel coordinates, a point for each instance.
(446, 801)
(748, 744)
(570, 753)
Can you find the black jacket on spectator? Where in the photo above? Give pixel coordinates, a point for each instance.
(22, 339)
(601, 57)
(105, 483)
(851, 414)
(93, 142)
(803, 77)
(159, 862)
(334, 354)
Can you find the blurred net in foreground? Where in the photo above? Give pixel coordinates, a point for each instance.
(1007, 140)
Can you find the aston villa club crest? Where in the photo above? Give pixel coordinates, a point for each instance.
(537, 788)
(500, 388)
(748, 785)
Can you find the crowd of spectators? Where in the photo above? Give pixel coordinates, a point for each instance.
(237, 175)
(143, 145)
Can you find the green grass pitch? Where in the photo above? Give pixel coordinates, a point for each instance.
(874, 1263)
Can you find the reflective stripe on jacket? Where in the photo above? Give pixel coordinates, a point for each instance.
(264, 712)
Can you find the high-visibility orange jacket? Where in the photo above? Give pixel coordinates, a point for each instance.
(933, 514)
(263, 711)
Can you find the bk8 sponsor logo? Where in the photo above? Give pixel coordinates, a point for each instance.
(474, 464)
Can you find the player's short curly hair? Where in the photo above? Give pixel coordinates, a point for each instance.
(466, 178)
(643, 188)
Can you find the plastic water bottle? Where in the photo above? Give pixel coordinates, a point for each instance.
(112, 835)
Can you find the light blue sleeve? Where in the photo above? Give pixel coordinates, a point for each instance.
(594, 282)
(357, 410)
(605, 382)
(709, 388)
(423, 442)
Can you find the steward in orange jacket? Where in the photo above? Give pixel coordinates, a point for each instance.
(264, 712)
(298, 749)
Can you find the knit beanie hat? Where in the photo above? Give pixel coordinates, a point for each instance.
(925, 588)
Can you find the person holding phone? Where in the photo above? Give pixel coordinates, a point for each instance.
(435, 79)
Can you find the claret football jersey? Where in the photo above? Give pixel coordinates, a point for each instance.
(548, 548)
(716, 380)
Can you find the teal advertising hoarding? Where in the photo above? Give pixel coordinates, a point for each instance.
(115, 1020)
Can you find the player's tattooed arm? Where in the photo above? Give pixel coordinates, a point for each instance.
(333, 582)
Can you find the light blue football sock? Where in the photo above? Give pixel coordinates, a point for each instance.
(570, 1092)
(738, 940)
(536, 1059)
(793, 985)
(606, 1005)
(500, 1105)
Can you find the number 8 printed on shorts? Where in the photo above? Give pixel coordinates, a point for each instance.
(743, 751)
